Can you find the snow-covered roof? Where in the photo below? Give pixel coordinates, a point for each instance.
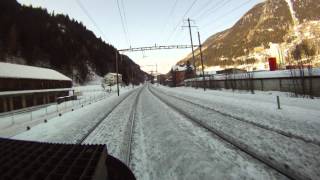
(8, 70)
(180, 67)
(112, 74)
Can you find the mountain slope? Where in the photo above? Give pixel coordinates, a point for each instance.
(33, 36)
(272, 21)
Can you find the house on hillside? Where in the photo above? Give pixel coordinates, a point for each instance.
(23, 86)
(111, 79)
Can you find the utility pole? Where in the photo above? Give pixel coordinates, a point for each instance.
(132, 77)
(117, 71)
(157, 75)
(201, 58)
(190, 33)
(194, 61)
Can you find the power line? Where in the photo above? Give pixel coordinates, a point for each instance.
(90, 18)
(229, 12)
(122, 23)
(217, 8)
(174, 31)
(184, 15)
(212, 8)
(170, 14)
(206, 5)
(125, 21)
(193, 3)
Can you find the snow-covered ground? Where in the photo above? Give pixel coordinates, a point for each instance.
(167, 145)
(297, 116)
(113, 131)
(300, 119)
(72, 126)
(15, 122)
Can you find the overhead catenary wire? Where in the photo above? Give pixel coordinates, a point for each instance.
(205, 5)
(125, 21)
(183, 17)
(91, 19)
(122, 23)
(188, 10)
(170, 14)
(219, 18)
(215, 7)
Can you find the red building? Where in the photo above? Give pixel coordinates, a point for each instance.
(179, 73)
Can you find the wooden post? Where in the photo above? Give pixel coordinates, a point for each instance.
(278, 102)
(34, 100)
(201, 58)
(11, 103)
(5, 105)
(24, 104)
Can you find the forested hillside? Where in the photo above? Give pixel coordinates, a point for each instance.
(33, 36)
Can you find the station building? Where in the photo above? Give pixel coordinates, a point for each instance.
(24, 86)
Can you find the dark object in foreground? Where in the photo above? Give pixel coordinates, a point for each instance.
(45, 161)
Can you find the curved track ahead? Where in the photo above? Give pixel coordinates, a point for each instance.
(230, 140)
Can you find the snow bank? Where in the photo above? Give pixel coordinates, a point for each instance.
(263, 74)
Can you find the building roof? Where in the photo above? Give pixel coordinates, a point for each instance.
(113, 74)
(8, 70)
(180, 67)
(40, 160)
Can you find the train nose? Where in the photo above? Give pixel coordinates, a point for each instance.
(118, 170)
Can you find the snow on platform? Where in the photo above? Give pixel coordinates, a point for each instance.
(71, 126)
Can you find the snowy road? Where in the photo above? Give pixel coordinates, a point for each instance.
(169, 143)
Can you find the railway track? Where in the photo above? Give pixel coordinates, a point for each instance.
(80, 141)
(262, 126)
(130, 127)
(289, 173)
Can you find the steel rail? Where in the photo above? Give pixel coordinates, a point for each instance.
(283, 170)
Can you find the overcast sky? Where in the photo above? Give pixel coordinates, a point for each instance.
(149, 22)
